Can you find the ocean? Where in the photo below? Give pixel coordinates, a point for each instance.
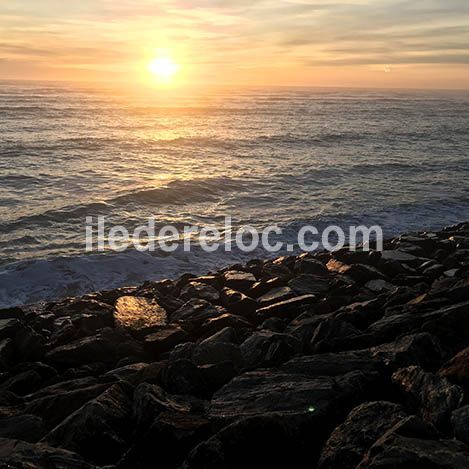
(288, 156)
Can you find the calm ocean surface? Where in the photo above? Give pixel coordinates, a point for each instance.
(286, 156)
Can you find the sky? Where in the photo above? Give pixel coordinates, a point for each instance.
(362, 43)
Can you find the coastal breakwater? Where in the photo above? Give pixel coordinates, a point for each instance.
(332, 360)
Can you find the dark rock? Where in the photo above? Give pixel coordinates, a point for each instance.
(261, 392)
(287, 309)
(417, 349)
(224, 320)
(6, 352)
(275, 296)
(54, 403)
(358, 272)
(217, 375)
(350, 441)
(435, 397)
(9, 328)
(209, 352)
(165, 339)
(460, 421)
(261, 288)
(99, 429)
(457, 369)
(309, 285)
(227, 335)
(139, 315)
(309, 265)
(196, 311)
(267, 348)
(303, 328)
(273, 324)
(237, 302)
(197, 289)
(23, 383)
(393, 450)
(22, 427)
(332, 335)
(239, 281)
(20, 454)
(127, 372)
(183, 377)
(332, 364)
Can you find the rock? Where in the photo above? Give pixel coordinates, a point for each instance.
(100, 348)
(175, 434)
(332, 364)
(99, 429)
(332, 335)
(150, 400)
(165, 339)
(139, 315)
(275, 296)
(183, 377)
(393, 450)
(379, 286)
(400, 256)
(269, 440)
(358, 272)
(237, 302)
(202, 290)
(273, 324)
(23, 383)
(55, 403)
(196, 311)
(22, 427)
(417, 349)
(127, 372)
(262, 287)
(287, 309)
(435, 397)
(224, 320)
(227, 335)
(29, 345)
(460, 421)
(309, 265)
(267, 348)
(261, 392)
(20, 454)
(211, 352)
(239, 281)
(457, 369)
(6, 352)
(217, 375)
(350, 441)
(303, 328)
(9, 328)
(309, 285)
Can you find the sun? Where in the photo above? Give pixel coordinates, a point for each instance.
(164, 68)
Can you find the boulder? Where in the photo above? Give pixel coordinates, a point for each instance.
(238, 280)
(238, 303)
(139, 315)
(460, 421)
(267, 348)
(24, 427)
(165, 339)
(196, 311)
(433, 395)
(99, 429)
(20, 454)
(351, 440)
(275, 296)
(288, 308)
(202, 290)
(309, 285)
(457, 369)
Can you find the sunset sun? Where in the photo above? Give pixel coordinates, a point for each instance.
(163, 68)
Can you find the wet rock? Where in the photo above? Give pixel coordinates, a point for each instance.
(139, 315)
(237, 302)
(460, 421)
(457, 369)
(288, 308)
(267, 348)
(332, 364)
(165, 339)
(350, 441)
(261, 441)
(150, 400)
(54, 403)
(176, 433)
(197, 289)
(434, 396)
(20, 454)
(239, 281)
(394, 450)
(99, 429)
(22, 427)
(260, 392)
(309, 265)
(358, 272)
(196, 311)
(183, 377)
(332, 335)
(417, 349)
(309, 285)
(275, 296)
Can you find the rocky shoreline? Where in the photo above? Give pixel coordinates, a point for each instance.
(332, 360)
